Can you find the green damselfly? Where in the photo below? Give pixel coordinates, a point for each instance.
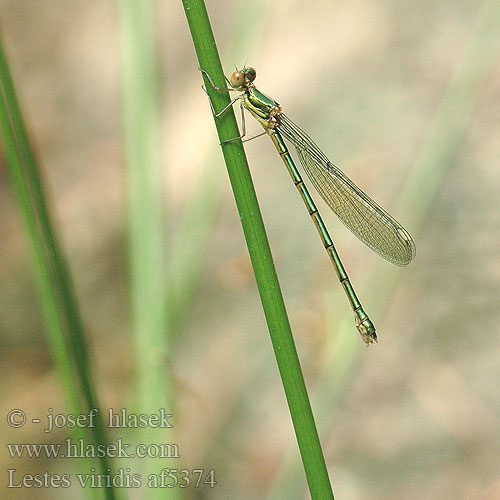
(367, 220)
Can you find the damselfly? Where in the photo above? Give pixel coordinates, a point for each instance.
(367, 220)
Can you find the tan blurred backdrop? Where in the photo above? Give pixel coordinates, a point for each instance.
(416, 417)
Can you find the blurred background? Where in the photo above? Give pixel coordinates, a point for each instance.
(405, 98)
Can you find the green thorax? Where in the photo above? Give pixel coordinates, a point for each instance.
(259, 104)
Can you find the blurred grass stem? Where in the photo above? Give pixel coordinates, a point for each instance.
(146, 242)
(63, 322)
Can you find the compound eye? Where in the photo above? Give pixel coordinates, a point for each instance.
(237, 79)
(250, 73)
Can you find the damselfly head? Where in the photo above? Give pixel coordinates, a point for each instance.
(250, 74)
(241, 78)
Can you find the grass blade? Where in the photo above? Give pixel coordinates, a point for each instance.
(61, 314)
(260, 255)
(146, 223)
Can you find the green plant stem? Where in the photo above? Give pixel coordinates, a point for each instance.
(61, 314)
(260, 255)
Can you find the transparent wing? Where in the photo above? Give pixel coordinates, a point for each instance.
(367, 220)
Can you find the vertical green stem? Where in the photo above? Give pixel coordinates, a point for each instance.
(62, 317)
(260, 255)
